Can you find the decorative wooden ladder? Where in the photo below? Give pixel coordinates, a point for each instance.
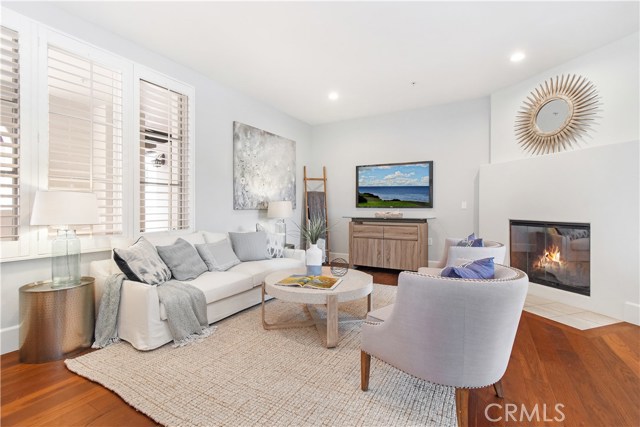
(318, 205)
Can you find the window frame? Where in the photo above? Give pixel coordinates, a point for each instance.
(81, 48)
(34, 38)
(27, 35)
(144, 73)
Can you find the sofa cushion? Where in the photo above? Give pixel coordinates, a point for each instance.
(217, 285)
(258, 270)
(218, 256)
(141, 262)
(182, 259)
(250, 246)
(212, 237)
(164, 238)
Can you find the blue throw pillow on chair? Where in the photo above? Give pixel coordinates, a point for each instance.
(478, 269)
(471, 241)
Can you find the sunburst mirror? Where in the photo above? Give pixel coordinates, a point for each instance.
(557, 114)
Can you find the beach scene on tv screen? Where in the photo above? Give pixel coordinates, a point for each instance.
(394, 186)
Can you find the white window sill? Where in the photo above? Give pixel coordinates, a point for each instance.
(48, 255)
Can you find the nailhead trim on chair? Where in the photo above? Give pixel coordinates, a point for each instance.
(422, 379)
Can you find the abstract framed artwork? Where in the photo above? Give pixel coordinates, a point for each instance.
(264, 168)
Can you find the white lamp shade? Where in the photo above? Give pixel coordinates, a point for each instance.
(64, 208)
(280, 209)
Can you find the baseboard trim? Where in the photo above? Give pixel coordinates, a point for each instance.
(631, 313)
(10, 338)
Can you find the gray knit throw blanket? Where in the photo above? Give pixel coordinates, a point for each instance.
(185, 305)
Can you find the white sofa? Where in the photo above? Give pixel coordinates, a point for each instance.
(142, 319)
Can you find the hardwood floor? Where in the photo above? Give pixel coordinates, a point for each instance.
(593, 376)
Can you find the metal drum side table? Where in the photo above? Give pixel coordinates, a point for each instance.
(55, 322)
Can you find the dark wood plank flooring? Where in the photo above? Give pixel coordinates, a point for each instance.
(572, 377)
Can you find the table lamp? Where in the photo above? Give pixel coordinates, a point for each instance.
(61, 209)
(280, 209)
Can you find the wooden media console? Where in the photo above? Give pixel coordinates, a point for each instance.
(399, 244)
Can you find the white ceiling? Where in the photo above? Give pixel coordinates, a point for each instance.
(292, 54)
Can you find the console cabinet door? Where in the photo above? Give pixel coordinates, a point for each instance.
(367, 252)
(401, 254)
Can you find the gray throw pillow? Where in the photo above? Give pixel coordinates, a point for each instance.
(182, 259)
(141, 262)
(249, 246)
(218, 256)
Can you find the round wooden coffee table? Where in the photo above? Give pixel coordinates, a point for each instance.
(355, 285)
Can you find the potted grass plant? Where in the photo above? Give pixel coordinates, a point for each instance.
(315, 228)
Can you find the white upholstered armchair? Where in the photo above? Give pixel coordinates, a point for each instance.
(452, 253)
(455, 332)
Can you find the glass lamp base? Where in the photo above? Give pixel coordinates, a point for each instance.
(281, 228)
(65, 259)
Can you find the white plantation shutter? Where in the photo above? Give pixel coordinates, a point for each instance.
(9, 135)
(164, 159)
(85, 134)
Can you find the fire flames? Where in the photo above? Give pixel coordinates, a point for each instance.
(551, 257)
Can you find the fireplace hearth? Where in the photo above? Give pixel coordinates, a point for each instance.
(555, 254)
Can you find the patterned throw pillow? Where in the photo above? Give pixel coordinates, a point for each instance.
(471, 241)
(182, 259)
(478, 269)
(275, 245)
(141, 262)
(275, 242)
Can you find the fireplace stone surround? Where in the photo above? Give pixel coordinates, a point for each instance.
(599, 185)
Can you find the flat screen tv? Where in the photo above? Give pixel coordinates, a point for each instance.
(395, 185)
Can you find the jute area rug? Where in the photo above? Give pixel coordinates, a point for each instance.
(243, 375)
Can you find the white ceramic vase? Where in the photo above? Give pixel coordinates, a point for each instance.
(314, 260)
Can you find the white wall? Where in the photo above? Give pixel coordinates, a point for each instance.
(598, 185)
(614, 70)
(216, 109)
(455, 136)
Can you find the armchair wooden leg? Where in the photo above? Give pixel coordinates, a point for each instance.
(365, 367)
(462, 406)
(498, 387)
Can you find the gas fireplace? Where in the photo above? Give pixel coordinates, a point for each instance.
(556, 254)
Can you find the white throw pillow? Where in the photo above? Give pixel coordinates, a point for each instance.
(275, 241)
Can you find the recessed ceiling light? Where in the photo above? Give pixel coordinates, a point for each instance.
(333, 96)
(517, 56)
